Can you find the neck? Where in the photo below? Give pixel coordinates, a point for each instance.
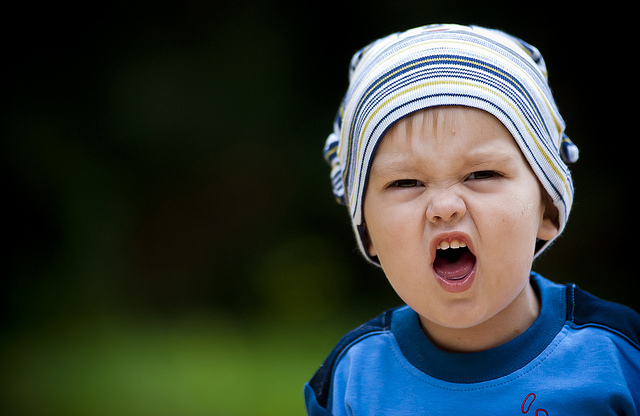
(497, 330)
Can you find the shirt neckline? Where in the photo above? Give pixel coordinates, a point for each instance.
(485, 365)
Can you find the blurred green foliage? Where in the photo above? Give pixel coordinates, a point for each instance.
(195, 366)
(173, 246)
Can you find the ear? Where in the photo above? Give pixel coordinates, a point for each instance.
(367, 242)
(550, 223)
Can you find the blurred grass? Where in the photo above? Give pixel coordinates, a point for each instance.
(153, 367)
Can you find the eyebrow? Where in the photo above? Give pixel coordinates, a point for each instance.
(399, 165)
(482, 157)
(393, 166)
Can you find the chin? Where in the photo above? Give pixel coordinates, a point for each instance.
(457, 317)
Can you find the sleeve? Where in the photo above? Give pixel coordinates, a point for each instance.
(311, 402)
(318, 389)
(587, 310)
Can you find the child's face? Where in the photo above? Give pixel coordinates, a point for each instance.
(455, 176)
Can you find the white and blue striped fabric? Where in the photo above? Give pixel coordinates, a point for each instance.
(448, 65)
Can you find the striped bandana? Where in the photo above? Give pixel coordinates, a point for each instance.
(448, 65)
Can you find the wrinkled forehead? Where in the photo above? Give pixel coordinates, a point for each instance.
(439, 121)
(469, 136)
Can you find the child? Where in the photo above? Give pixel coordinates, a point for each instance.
(450, 154)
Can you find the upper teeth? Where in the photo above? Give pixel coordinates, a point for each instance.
(451, 244)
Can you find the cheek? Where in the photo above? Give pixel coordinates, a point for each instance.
(391, 233)
(512, 224)
(395, 233)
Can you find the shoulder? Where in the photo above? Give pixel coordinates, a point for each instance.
(587, 310)
(318, 388)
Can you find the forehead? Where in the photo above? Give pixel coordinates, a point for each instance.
(464, 134)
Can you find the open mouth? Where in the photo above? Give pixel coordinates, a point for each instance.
(454, 261)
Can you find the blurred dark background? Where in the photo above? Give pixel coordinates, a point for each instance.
(163, 161)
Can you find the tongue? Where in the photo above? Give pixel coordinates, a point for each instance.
(455, 270)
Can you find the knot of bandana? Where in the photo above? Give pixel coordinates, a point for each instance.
(331, 156)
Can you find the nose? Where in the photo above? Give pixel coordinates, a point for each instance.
(447, 206)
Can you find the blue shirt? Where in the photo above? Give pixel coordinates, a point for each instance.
(580, 357)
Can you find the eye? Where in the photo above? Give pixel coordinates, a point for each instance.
(405, 183)
(484, 174)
